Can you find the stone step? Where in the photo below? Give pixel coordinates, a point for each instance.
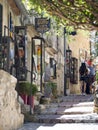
(75, 104)
(79, 118)
(70, 110)
(58, 126)
(75, 110)
(78, 98)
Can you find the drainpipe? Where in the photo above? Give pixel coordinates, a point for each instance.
(65, 75)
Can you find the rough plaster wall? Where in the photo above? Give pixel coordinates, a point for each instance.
(80, 41)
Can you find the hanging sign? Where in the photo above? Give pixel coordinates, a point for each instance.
(42, 25)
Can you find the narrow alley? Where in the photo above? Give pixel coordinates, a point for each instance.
(43, 45)
(73, 111)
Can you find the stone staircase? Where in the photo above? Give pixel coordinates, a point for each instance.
(68, 109)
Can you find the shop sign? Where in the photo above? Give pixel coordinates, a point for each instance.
(42, 25)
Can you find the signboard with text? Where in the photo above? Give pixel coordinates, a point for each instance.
(42, 25)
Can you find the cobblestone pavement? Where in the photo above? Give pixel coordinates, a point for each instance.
(73, 112)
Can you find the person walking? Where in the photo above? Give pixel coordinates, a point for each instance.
(87, 81)
(92, 76)
(82, 72)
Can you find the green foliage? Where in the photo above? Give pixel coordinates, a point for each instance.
(51, 84)
(34, 89)
(53, 87)
(25, 88)
(77, 13)
(97, 76)
(22, 88)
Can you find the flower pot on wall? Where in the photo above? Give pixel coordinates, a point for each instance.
(24, 97)
(24, 91)
(30, 101)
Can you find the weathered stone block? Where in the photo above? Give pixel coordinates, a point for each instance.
(10, 109)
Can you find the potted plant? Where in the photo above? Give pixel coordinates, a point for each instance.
(33, 89)
(53, 88)
(50, 92)
(23, 90)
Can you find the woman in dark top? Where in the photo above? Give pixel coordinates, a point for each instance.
(82, 71)
(87, 80)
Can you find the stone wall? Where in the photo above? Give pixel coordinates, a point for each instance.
(10, 109)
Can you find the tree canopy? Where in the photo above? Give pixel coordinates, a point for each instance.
(81, 14)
